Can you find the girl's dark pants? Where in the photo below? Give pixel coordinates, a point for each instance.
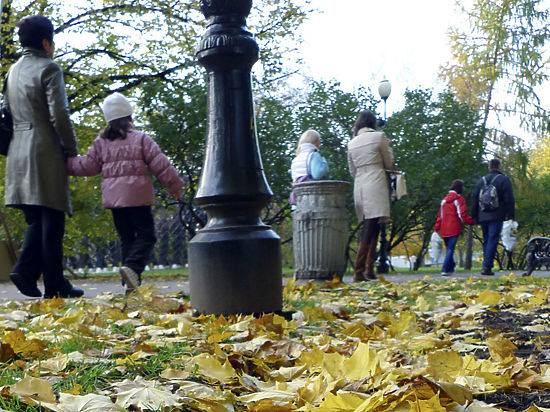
(136, 229)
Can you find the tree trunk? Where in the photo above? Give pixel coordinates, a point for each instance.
(469, 246)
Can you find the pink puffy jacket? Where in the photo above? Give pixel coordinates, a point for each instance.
(124, 164)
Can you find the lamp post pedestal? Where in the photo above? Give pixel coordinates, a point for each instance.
(235, 260)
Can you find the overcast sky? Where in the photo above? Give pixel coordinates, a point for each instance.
(361, 42)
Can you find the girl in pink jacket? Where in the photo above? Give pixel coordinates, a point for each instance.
(124, 156)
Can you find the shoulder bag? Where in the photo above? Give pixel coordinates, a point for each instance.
(6, 122)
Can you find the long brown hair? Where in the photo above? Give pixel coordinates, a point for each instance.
(117, 128)
(365, 119)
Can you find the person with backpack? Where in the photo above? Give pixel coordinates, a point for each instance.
(452, 213)
(493, 204)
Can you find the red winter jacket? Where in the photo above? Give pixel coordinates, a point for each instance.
(452, 213)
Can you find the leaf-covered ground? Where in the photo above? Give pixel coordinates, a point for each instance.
(431, 345)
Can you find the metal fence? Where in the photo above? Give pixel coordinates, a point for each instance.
(170, 250)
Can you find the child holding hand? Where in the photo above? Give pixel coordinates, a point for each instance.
(124, 157)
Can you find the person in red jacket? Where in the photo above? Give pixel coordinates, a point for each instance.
(452, 213)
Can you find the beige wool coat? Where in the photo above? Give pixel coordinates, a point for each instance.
(369, 155)
(43, 136)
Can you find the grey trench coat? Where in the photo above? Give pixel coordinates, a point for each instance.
(369, 154)
(36, 172)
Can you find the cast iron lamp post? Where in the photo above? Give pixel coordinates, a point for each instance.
(384, 90)
(235, 260)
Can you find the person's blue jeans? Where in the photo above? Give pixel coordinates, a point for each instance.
(449, 262)
(491, 234)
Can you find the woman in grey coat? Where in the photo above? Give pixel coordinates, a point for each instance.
(36, 175)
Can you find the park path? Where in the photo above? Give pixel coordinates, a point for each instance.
(93, 287)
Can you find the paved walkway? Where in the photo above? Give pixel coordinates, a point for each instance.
(92, 288)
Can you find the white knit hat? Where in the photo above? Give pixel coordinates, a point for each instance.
(116, 106)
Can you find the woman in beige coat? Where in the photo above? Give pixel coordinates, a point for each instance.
(369, 155)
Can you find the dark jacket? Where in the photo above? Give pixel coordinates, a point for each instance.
(43, 134)
(452, 213)
(506, 202)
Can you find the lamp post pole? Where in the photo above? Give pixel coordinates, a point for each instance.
(384, 90)
(235, 260)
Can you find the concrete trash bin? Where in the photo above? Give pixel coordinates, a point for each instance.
(320, 229)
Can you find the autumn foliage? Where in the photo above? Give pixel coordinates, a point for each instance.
(423, 345)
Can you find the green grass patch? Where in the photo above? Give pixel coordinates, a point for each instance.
(155, 274)
(89, 377)
(79, 343)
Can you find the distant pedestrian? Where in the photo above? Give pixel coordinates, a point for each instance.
(369, 156)
(450, 217)
(493, 204)
(124, 157)
(308, 164)
(36, 176)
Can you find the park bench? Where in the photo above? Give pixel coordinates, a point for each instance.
(537, 254)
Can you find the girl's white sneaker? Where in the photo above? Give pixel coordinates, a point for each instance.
(130, 277)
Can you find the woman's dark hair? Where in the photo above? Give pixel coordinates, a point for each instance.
(117, 129)
(33, 29)
(365, 119)
(457, 186)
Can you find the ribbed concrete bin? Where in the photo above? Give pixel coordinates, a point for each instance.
(320, 229)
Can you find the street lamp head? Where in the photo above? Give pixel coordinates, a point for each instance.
(384, 89)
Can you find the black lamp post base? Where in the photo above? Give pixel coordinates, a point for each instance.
(236, 271)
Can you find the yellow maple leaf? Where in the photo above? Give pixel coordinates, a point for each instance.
(76, 389)
(171, 373)
(71, 317)
(211, 368)
(535, 408)
(428, 405)
(52, 365)
(20, 345)
(146, 398)
(314, 389)
(341, 402)
(85, 403)
(445, 364)
(501, 349)
(33, 390)
(422, 304)
(496, 381)
(363, 363)
(333, 363)
(489, 297)
(270, 395)
(287, 373)
(458, 393)
(405, 323)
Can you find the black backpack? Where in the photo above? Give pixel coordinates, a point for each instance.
(488, 196)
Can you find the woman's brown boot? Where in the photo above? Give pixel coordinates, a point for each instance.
(359, 267)
(370, 259)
